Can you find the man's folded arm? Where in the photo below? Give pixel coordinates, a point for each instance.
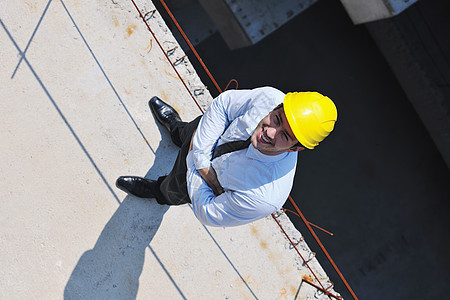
(223, 110)
(228, 209)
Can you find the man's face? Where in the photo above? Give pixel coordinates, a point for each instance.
(273, 135)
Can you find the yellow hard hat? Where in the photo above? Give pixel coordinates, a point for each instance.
(311, 116)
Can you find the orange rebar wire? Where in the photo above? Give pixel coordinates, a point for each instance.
(325, 291)
(167, 56)
(322, 288)
(314, 225)
(190, 45)
(322, 247)
(308, 224)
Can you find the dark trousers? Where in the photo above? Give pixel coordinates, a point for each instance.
(172, 189)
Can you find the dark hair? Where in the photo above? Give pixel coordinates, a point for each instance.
(278, 106)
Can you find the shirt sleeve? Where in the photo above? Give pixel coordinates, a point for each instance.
(223, 110)
(228, 209)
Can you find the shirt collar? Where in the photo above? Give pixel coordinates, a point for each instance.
(254, 153)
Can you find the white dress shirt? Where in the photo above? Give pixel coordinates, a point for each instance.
(255, 184)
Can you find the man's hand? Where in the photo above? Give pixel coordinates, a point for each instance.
(210, 177)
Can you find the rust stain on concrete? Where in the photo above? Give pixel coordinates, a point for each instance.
(253, 230)
(307, 278)
(164, 96)
(293, 290)
(148, 48)
(32, 7)
(130, 30)
(263, 244)
(169, 74)
(116, 22)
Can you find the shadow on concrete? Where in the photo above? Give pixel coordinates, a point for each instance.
(111, 270)
(22, 55)
(105, 75)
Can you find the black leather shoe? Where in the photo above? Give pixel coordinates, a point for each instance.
(137, 186)
(164, 113)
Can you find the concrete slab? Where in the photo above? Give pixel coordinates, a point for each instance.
(75, 80)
